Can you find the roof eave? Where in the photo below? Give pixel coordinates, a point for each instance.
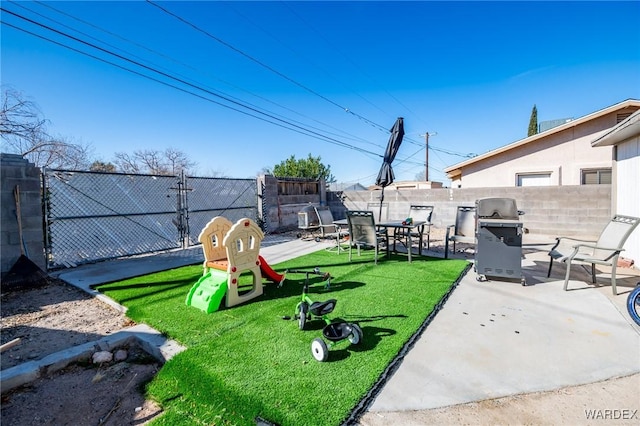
(625, 130)
(562, 127)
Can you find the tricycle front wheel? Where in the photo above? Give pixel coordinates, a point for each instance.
(356, 334)
(302, 319)
(302, 309)
(319, 350)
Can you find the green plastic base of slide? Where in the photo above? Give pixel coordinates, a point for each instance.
(208, 292)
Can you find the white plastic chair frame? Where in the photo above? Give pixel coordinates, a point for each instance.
(604, 251)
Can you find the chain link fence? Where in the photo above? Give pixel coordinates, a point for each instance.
(93, 216)
(209, 197)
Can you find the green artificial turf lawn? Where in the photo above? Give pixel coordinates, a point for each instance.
(247, 362)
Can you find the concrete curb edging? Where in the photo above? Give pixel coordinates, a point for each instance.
(150, 340)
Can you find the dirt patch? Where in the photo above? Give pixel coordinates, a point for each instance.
(59, 316)
(52, 318)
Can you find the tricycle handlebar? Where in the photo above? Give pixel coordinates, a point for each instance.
(316, 271)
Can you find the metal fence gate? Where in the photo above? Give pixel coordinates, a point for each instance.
(93, 216)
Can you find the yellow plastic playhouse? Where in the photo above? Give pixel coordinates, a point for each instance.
(229, 251)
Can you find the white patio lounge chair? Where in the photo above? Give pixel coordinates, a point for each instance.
(604, 251)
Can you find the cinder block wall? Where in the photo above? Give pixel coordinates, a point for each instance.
(280, 212)
(578, 211)
(16, 171)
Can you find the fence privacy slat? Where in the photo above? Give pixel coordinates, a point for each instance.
(94, 216)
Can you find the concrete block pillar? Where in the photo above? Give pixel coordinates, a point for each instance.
(268, 202)
(15, 171)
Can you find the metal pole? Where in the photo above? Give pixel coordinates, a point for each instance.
(185, 207)
(426, 150)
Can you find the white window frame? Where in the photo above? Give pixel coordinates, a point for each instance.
(534, 176)
(598, 172)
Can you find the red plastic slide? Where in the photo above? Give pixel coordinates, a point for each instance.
(269, 273)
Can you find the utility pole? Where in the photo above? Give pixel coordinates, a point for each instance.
(426, 150)
(426, 154)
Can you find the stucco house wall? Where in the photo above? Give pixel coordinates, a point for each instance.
(562, 152)
(625, 194)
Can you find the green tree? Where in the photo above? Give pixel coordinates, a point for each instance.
(533, 122)
(101, 166)
(310, 168)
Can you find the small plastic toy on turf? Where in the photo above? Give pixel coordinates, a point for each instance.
(334, 331)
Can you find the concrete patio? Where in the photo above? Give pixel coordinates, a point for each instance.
(494, 339)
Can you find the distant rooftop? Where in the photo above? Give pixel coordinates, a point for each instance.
(550, 124)
(347, 187)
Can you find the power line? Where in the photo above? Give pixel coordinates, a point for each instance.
(284, 124)
(193, 85)
(349, 59)
(89, 24)
(262, 64)
(287, 124)
(155, 52)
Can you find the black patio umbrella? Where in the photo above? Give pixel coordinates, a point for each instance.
(385, 175)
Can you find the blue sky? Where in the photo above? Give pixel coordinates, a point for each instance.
(256, 82)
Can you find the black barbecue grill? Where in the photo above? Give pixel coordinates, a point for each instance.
(499, 240)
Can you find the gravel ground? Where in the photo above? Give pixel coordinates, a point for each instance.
(55, 317)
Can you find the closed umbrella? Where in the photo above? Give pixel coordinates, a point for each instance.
(385, 176)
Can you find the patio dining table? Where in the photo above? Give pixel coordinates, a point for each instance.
(395, 225)
(398, 225)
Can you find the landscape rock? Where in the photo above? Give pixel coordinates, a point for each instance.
(102, 357)
(120, 355)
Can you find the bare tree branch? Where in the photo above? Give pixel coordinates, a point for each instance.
(24, 132)
(152, 160)
(19, 117)
(169, 162)
(126, 163)
(178, 161)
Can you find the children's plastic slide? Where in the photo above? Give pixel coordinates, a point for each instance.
(269, 273)
(211, 288)
(208, 292)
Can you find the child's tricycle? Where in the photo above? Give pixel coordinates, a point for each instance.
(334, 331)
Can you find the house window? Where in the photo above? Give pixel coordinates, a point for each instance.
(596, 177)
(534, 179)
